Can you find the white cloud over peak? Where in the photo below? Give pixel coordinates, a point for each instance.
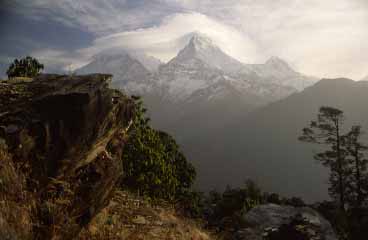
(164, 41)
(324, 38)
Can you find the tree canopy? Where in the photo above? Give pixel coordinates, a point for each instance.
(25, 67)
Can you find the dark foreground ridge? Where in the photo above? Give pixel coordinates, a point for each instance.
(67, 133)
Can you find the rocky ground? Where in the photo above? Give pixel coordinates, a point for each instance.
(129, 217)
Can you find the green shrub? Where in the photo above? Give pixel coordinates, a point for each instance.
(191, 204)
(226, 209)
(153, 164)
(25, 67)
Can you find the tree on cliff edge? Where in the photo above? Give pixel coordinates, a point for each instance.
(25, 67)
(326, 130)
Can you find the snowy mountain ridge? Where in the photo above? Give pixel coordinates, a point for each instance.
(202, 48)
(200, 67)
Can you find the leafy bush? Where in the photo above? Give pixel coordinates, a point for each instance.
(226, 209)
(25, 67)
(153, 164)
(191, 204)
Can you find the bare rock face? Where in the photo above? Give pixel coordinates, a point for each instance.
(67, 133)
(274, 222)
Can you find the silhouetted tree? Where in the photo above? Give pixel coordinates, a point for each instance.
(25, 67)
(326, 130)
(358, 179)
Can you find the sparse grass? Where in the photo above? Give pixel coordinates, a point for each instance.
(128, 217)
(16, 203)
(25, 217)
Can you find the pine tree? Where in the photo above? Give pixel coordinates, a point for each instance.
(358, 179)
(326, 130)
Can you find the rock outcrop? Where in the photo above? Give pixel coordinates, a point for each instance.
(67, 133)
(285, 222)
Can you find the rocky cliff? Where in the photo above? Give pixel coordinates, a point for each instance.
(67, 135)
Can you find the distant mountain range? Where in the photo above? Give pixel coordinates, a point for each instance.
(200, 68)
(202, 88)
(236, 120)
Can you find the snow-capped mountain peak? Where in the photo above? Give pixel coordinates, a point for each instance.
(199, 47)
(123, 55)
(278, 67)
(202, 51)
(201, 42)
(274, 67)
(149, 62)
(278, 63)
(128, 72)
(108, 63)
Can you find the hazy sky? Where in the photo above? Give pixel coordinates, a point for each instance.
(325, 38)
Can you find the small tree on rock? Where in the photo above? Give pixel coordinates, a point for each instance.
(25, 67)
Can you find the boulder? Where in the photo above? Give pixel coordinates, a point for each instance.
(273, 221)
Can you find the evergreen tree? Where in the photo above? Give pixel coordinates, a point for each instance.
(326, 130)
(358, 179)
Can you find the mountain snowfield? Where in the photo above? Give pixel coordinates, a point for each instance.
(200, 67)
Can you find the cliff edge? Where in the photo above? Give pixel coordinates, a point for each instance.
(66, 136)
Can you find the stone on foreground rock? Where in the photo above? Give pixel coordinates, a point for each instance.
(67, 133)
(265, 219)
